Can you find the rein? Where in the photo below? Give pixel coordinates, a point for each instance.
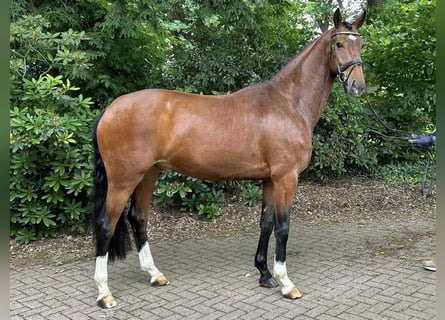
(398, 134)
(429, 172)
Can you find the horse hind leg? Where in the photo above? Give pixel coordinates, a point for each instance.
(111, 236)
(138, 217)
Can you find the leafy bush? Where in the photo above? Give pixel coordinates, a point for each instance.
(112, 47)
(50, 138)
(251, 192)
(200, 196)
(342, 142)
(36, 51)
(400, 68)
(224, 46)
(50, 159)
(410, 172)
(123, 45)
(190, 194)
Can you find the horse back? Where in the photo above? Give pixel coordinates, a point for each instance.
(234, 136)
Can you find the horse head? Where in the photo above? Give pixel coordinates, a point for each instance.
(346, 46)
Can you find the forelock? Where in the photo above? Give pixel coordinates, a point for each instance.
(347, 25)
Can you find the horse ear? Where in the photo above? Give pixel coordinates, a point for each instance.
(337, 18)
(359, 21)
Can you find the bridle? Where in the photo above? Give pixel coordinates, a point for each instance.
(342, 77)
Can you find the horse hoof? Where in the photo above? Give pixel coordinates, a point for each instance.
(293, 294)
(269, 283)
(160, 281)
(107, 302)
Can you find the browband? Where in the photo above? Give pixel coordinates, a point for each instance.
(345, 32)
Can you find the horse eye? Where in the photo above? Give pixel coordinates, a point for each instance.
(363, 45)
(339, 45)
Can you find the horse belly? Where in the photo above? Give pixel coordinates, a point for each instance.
(216, 161)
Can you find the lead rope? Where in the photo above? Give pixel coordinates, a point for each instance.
(401, 135)
(429, 172)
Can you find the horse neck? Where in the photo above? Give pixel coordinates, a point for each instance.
(306, 81)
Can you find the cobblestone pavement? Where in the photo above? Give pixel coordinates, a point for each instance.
(368, 270)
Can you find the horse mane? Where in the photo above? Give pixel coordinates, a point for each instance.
(288, 64)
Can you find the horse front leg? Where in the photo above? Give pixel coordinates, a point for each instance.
(283, 195)
(288, 289)
(267, 223)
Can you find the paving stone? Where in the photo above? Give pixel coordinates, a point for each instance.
(332, 264)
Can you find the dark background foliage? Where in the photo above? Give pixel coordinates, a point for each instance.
(70, 59)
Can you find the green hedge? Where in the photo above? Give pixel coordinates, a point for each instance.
(110, 48)
(50, 165)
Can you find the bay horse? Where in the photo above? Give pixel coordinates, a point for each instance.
(261, 132)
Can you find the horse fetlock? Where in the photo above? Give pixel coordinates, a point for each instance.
(288, 289)
(107, 302)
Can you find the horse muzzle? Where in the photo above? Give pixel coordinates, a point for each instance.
(355, 88)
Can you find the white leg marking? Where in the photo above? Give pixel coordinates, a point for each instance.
(280, 273)
(147, 263)
(101, 276)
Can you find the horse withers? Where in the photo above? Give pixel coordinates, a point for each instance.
(261, 132)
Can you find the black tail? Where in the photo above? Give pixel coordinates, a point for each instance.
(119, 243)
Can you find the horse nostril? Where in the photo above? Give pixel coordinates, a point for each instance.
(353, 84)
(355, 89)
